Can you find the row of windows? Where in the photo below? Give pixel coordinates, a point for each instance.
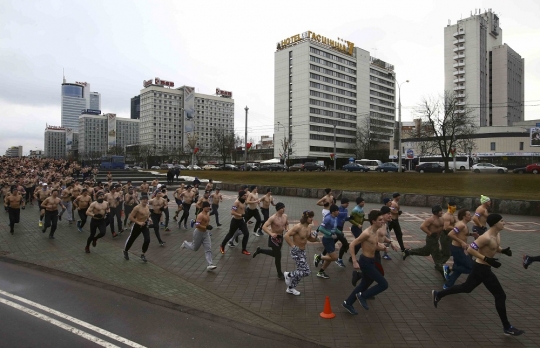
(331, 130)
(332, 65)
(332, 56)
(384, 82)
(332, 122)
(384, 123)
(332, 105)
(332, 97)
(380, 73)
(382, 95)
(332, 73)
(331, 138)
(332, 114)
(329, 149)
(332, 89)
(380, 108)
(332, 81)
(380, 101)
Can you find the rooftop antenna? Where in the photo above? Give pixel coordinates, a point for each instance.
(63, 76)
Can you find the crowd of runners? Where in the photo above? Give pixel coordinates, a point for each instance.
(58, 187)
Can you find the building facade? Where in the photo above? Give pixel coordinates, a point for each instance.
(180, 119)
(55, 142)
(136, 107)
(14, 151)
(324, 91)
(98, 133)
(484, 74)
(76, 97)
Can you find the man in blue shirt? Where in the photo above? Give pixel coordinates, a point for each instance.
(341, 218)
(329, 229)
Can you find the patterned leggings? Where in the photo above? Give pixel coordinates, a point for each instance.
(302, 267)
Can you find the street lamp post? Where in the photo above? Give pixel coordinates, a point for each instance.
(399, 125)
(245, 141)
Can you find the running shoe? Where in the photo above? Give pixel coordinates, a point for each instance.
(362, 300)
(114, 235)
(260, 233)
(167, 229)
(257, 252)
(185, 226)
(79, 228)
(211, 267)
(143, 258)
(435, 296)
(218, 225)
(349, 308)
(387, 257)
(323, 275)
(162, 243)
(340, 263)
(231, 244)
(59, 217)
(446, 272)
(293, 291)
(183, 246)
(221, 249)
(192, 223)
(405, 253)
(79, 224)
(526, 261)
(445, 287)
(87, 250)
(512, 331)
(41, 224)
(256, 234)
(94, 241)
(245, 252)
(162, 224)
(316, 260)
(288, 280)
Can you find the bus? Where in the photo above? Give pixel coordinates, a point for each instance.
(112, 162)
(463, 162)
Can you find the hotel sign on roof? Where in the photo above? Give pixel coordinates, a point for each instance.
(340, 45)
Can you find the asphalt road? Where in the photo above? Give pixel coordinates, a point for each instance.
(43, 310)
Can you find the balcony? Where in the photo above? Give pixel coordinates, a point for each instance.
(459, 49)
(459, 111)
(460, 79)
(459, 33)
(459, 56)
(460, 103)
(458, 41)
(459, 88)
(459, 96)
(458, 72)
(456, 65)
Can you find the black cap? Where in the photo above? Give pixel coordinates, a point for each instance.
(385, 209)
(396, 194)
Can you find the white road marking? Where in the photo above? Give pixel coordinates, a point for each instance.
(61, 325)
(74, 320)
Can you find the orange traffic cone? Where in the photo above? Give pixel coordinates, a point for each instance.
(327, 313)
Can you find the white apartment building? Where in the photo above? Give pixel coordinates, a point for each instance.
(484, 74)
(55, 142)
(76, 97)
(320, 83)
(172, 117)
(96, 134)
(14, 151)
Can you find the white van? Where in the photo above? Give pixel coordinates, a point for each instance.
(371, 164)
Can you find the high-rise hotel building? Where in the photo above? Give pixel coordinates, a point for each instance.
(77, 97)
(482, 72)
(321, 83)
(171, 118)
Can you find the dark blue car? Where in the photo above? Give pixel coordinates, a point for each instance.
(388, 167)
(355, 167)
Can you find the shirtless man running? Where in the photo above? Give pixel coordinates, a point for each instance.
(81, 203)
(297, 238)
(264, 204)
(275, 227)
(216, 198)
(326, 201)
(40, 196)
(462, 262)
(484, 249)
(97, 211)
(201, 235)
(140, 215)
(50, 204)
(480, 215)
(394, 224)
(14, 201)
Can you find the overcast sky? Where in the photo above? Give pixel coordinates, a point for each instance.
(115, 45)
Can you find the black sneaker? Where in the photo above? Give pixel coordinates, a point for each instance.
(323, 275)
(349, 308)
(362, 300)
(51, 237)
(435, 296)
(257, 251)
(126, 255)
(512, 331)
(405, 254)
(526, 261)
(59, 217)
(143, 258)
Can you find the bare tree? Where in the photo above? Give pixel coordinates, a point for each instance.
(445, 120)
(286, 149)
(145, 153)
(223, 143)
(365, 140)
(116, 150)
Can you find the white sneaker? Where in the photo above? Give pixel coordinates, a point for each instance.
(183, 245)
(293, 291)
(231, 244)
(288, 280)
(211, 267)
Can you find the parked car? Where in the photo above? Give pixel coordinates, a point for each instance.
(136, 168)
(249, 167)
(180, 166)
(228, 166)
(313, 166)
(488, 168)
(521, 170)
(127, 167)
(431, 167)
(355, 167)
(155, 167)
(274, 167)
(193, 167)
(296, 167)
(389, 167)
(209, 167)
(166, 166)
(533, 168)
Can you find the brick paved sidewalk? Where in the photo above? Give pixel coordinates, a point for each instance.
(247, 290)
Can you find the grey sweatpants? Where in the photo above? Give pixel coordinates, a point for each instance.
(198, 239)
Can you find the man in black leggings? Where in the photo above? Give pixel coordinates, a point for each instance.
(527, 260)
(484, 249)
(140, 217)
(275, 226)
(237, 223)
(97, 211)
(394, 224)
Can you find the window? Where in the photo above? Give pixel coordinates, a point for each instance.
(492, 146)
(521, 145)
